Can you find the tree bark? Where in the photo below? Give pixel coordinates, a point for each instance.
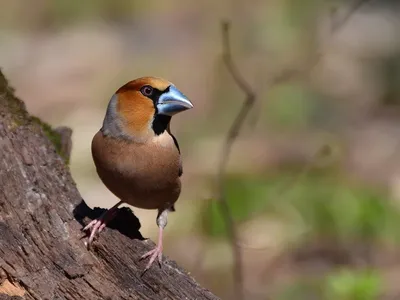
(42, 254)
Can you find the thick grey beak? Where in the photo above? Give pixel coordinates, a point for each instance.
(173, 102)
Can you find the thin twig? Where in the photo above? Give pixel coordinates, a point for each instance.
(237, 125)
(350, 10)
(288, 74)
(337, 22)
(226, 150)
(278, 194)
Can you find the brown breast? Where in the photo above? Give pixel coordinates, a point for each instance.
(145, 175)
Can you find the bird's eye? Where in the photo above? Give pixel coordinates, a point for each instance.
(147, 90)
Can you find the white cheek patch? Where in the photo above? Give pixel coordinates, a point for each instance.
(112, 122)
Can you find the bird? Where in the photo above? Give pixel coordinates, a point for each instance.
(135, 154)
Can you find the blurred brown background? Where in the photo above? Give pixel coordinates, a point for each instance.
(314, 178)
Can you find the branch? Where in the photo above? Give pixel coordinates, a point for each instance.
(281, 76)
(349, 11)
(225, 154)
(238, 122)
(338, 20)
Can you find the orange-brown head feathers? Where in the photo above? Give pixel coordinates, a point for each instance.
(143, 108)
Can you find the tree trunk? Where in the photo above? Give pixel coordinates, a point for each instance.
(42, 254)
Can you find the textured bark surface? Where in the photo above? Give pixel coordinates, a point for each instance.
(42, 254)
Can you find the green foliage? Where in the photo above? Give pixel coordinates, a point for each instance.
(65, 12)
(331, 207)
(302, 13)
(325, 205)
(290, 106)
(303, 289)
(343, 284)
(353, 285)
(245, 195)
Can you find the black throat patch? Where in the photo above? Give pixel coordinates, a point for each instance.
(160, 123)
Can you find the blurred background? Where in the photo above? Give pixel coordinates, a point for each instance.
(313, 182)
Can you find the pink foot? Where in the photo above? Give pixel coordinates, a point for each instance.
(156, 252)
(97, 225)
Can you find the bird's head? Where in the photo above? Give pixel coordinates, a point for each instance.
(143, 108)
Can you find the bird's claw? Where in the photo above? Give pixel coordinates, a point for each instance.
(155, 253)
(98, 225)
(95, 226)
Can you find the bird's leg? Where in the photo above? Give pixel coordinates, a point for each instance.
(162, 219)
(97, 225)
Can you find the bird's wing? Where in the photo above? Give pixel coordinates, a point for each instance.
(179, 150)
